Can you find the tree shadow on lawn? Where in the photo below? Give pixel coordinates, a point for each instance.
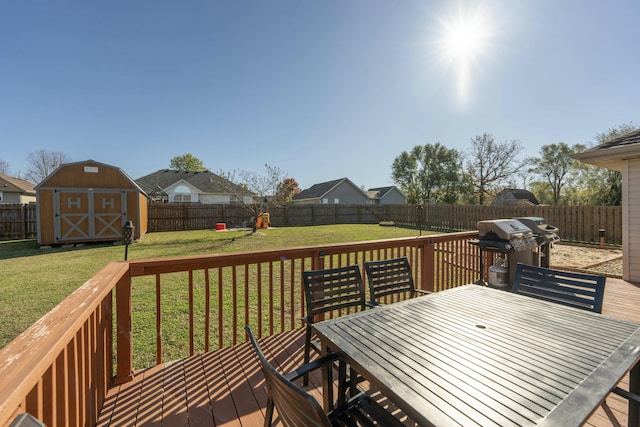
(27, 248)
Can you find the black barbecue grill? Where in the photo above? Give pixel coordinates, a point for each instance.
(509, 237)
(546, 235)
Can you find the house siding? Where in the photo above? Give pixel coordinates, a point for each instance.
(393, 198)
(631, 220)
(9, 197)
(346, 194)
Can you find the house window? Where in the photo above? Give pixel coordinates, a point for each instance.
(182, 194)
(1, 198)
(336, 201)
(234, 200)
(325, 201)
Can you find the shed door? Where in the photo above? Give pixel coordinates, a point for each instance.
(89, 215)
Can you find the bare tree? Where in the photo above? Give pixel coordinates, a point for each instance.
(263, 186)
(490, 162)
(43, 162)
(4, 167)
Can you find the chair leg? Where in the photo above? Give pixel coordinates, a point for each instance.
(268, 416)
(307, 351)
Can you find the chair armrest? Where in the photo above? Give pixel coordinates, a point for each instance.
(311, 366)
(372, 304)
(422, 291)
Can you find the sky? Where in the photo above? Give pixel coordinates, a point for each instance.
(322, 89)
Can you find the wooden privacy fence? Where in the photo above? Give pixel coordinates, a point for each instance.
(580, 224)
(576, 223)
(18, 221)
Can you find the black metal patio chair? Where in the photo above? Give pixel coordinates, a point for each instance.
(298, 408)
(330, 290)
(585, 291)
(390, 277)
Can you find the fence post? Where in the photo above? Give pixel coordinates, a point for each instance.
(124, 357)
(428, 264)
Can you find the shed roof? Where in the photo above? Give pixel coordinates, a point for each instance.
(612, 153)
(16, 185)
(90, 163)
(205, 181)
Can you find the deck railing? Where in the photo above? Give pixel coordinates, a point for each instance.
(60, 369)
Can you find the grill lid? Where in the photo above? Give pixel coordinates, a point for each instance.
(544, 232)
(503, 229)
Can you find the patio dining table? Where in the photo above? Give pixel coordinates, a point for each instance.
(473, 355)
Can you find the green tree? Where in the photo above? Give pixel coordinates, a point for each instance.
(489, 163)
(187, 162)
(555, 166)
(429, 174)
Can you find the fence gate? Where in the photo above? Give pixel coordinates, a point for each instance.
(89, 215)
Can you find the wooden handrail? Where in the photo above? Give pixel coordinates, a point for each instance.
(439, 262)
(60, 369)
(32, 366)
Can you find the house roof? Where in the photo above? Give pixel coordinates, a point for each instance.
(612, 153)
(317, 191)
(205, 181)
(516, 194)
(380, 192)
(16, 185)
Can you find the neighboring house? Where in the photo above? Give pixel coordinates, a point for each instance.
(515, 197)
(386, 196)
(175, 186)
(16, 190)
(340, 191)
(623, 155)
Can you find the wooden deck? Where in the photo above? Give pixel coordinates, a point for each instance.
(225, 387)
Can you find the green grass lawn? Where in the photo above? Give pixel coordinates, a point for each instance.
(34, 280)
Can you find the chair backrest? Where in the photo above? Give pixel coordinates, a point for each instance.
(389, 277)
(333, 289)
(295, 406)
(585, 291)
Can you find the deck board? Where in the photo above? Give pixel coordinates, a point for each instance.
(226, 387)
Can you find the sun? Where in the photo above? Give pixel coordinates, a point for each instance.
(465, 38)
(463, 42)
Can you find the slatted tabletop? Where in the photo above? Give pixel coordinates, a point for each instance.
(479, 356)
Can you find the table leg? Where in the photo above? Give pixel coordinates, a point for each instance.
(634, 387)
(327, 381)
